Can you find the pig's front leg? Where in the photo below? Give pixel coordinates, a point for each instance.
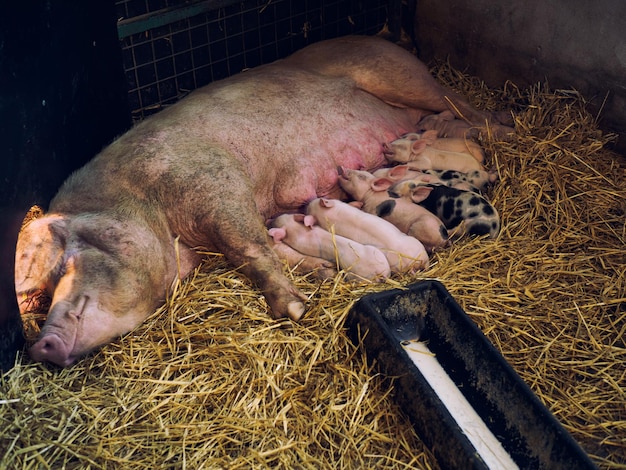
(224, 216)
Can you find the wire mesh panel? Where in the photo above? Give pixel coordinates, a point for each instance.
(171, 47)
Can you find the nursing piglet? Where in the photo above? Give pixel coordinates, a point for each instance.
(425, 157)
(446, 124)
(410, 218)
(476, 180)
(450, 144)
(304, 264)
(403, 252)
(359, 261)
(465, 212)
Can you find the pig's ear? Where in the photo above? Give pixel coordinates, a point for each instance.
(418, 146)
(357, 204)
(430, 136)
(38, 254)
(411, 167)
(277, 233)
(398, 171)
(412, 136)
(298, 218)
(381, 184)
(326, 202)
(309, 220)
(420, 193)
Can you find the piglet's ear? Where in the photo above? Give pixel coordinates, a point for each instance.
(326, 202)
(420, 193)
(381, 184)
(277, 233)
(298, 218)
(357, 204)
(430, 136)
(398, 171)
(309, 220)
(418, 146)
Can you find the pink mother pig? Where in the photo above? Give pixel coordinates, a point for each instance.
(207, 172)
(403, 252)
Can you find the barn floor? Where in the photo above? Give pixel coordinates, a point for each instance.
(210, 381)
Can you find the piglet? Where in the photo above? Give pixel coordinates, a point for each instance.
(450, 144)
(425, 157)
(404, 253)
(410, 218)
(359, 261)
(304, 264)
(465, 212)
(476, 180)
(446, 124)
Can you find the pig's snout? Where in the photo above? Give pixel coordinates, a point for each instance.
(50, 347)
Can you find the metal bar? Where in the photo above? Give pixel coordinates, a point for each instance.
(165, 16)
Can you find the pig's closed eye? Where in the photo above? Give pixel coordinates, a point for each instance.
(66, 265)
(97, 241)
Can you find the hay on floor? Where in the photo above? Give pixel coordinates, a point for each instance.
(210, 381)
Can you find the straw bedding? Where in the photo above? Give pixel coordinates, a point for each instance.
(210, 381)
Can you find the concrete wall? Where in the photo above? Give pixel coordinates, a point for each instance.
(577, 44)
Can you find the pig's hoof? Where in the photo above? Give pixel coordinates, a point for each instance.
(295, 310)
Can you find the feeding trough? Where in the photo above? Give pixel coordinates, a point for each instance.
(464, 400)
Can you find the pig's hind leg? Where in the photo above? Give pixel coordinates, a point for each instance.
(402, 80)
(394, 75)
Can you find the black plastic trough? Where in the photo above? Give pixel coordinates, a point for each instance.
(426, 312)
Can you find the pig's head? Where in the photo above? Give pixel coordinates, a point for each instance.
(356, 183)
(404, 150)
(104, 275)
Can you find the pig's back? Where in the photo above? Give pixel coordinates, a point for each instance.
(289, 114)
(287, 128)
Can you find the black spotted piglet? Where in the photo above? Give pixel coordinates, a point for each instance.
(462, 212)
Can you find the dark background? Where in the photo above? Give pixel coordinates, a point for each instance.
(62, 98)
